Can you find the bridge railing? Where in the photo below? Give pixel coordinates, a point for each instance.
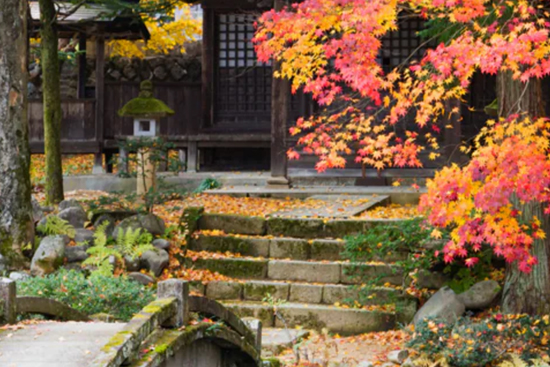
(171, 312)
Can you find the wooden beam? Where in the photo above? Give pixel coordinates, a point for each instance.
(280, 100)
(81, 87)
(99, 88)
(208, 39)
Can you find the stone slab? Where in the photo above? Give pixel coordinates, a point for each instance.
(54, 344)
(334, 206)
(219, 290)
(258, 290)
(230, 223)
(289, 248)
(232, 267)
(323, 249)
(275, 340)
(308, 293)
(313, 272)
(248, 246)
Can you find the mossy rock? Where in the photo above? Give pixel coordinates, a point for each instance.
(145, 105)
(238, 268)
(292, 227)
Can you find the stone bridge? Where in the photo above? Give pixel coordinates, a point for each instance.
(177, 329)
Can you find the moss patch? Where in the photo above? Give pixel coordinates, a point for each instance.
(300, 228)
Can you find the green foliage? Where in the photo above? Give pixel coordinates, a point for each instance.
(131, 243)
(56, 226)
(120, 297)
(472, 342)
(412, 241)
(207, 184)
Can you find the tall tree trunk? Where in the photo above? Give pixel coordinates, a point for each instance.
(526, 292)
(52, 102)
(16, 223)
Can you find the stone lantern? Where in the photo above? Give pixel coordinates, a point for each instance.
(147, 112)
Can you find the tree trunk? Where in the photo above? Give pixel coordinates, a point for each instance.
(16, 223)
(52, 102)
(526, 293)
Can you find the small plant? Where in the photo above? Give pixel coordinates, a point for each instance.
(207, 184)
(119, 297)
(131, 243)
(55, 226)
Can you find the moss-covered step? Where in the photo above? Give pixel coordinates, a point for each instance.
(359, 273)
(247, 246)
(232, 267)
(232, 223)
(305, 271)
(308, 316)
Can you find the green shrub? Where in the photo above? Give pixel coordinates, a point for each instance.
(412, 239)
(207, 184)
(120, 297)
(481, 342)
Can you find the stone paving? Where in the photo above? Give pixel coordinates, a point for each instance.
(55, 344)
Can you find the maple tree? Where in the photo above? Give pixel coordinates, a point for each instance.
(331, 48)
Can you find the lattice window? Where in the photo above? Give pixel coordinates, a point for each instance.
(243, 90)
(398, 46)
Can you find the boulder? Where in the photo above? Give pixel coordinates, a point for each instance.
(75, 216)
(481, 295)
(19, 275)
(69, 203)
(76, 253)
(155, 260)
(161, 244)
(37, 211)
(49, 256)
(132, 264)
(141, 278)
(106, 218)
(443, 305)
(147, 222)
(398, 356)
(83, 235)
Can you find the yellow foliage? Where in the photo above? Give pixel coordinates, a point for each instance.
(165, 36)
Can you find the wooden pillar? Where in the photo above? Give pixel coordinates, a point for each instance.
(280, 100)
(81, 87)
(99, 96)
(208, 39)
(192, 156)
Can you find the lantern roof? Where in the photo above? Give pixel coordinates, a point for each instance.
(145, 105)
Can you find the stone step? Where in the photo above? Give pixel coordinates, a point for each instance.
(288, 227)
(346, 321)
(295, 270)
(277, 247)
(329, 294)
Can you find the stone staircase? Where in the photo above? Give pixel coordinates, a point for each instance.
(296, 264)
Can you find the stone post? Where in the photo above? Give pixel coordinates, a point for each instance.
(178, 289)
(255, 326)
(122, 161)
(8, 308)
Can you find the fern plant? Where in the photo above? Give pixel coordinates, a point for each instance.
(55, 226)
(100, 253)
(131, 243)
